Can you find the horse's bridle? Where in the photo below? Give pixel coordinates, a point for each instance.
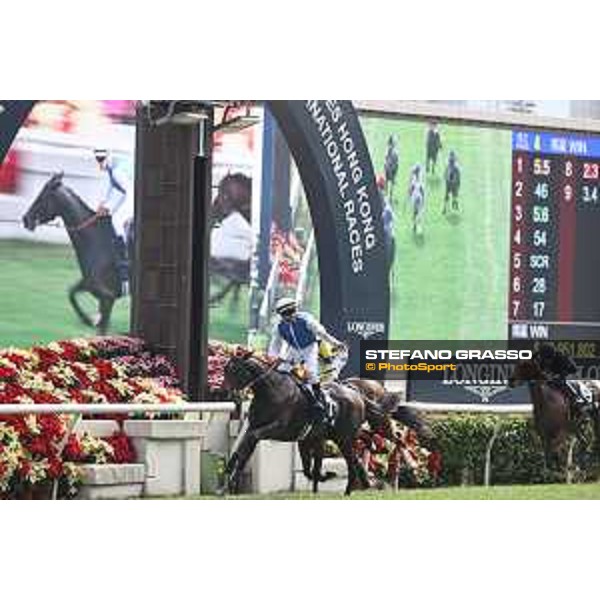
(261, 376)
(86, 223)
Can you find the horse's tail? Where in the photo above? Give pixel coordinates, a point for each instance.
(378, 413)
(411, 418)
(377, 418)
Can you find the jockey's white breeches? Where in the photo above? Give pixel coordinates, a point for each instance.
(308, 356)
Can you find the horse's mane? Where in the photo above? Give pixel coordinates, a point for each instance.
(74, 196)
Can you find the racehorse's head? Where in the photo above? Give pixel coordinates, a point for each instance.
(526, 371)
(45, 206)
(235, 194)
(241, 371)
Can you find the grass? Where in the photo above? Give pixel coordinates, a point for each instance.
(34, 308)
(454, 284)
(512, 492)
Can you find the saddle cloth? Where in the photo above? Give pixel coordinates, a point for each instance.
(331, 407)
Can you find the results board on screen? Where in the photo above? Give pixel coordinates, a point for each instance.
(554, 289)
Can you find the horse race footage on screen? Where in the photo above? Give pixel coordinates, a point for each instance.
(299, 299)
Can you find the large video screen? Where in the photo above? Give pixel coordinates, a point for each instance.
(495, 232)
(448, 188)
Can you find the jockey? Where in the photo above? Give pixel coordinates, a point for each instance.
(118, 204)
(296, 337)
(416, 179)
(559, 366)
(387, 216)
(434, 145)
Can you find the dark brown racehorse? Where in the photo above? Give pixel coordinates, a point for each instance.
(552, 415)
(93, 241)
(281, 411)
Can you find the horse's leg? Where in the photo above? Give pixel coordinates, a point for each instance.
(238, 461)
(354, 466)
(362, 473)
(74, 291)
(236, 294)
(240, 458)
(106, 305)
(596, 418)
(317, 464)
(222, 293)
(305, 457)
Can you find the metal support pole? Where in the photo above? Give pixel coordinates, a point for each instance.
(488, 455)
(200, 250)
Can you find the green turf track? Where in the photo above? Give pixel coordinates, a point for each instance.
(454, 285)
(512, 492)
(34, 308)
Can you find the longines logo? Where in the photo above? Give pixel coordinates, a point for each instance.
(366, 329)
(485, 392)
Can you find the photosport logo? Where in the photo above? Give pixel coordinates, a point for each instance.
(484, 367)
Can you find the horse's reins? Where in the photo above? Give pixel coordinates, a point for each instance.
(260, 377)
(90, 221)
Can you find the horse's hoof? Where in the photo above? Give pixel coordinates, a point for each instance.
(327, 476)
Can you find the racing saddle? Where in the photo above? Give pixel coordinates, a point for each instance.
(323, 408)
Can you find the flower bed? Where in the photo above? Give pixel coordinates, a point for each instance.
(397, 457)
(81, 371)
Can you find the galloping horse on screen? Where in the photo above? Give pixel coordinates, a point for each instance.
(93, 241)
(416, 201)
(391, 168)
(452, 177)
(552, 416)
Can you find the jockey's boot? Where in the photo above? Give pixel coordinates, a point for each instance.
(320, 404)
(122, 264)
(579, 405)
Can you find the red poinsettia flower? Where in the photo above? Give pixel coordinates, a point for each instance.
(104, 367)
(24, 468)
(434, 464)
(7, 373)
(70, 351)
(73, 450)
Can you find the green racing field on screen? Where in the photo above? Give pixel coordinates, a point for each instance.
(451, 283)
(34, 308)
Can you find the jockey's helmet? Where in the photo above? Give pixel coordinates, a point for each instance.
(546, 352)
(100, 154)
(381, 182)
(286, 306)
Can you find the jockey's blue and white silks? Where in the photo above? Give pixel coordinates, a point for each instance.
(119, 195)
(298, 341)
(297, 333)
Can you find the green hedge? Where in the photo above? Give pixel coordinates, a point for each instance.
(517, 456)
